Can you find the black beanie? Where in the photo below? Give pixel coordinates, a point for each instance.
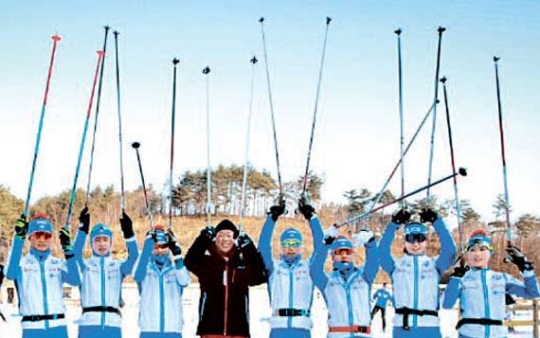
(227, 225)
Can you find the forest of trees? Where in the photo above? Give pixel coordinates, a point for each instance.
(189, 199)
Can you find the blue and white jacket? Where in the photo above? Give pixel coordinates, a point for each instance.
(160, 287)
(382, 297)
(39, 279)
(102, 278)
(482, 295)
(347, 296)
(416, 277)
(289, 285)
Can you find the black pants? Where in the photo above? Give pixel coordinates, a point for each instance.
(376, 308)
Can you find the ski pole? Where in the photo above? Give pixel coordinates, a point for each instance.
(401, 137)
(209, 205)
(253, 61)
(381, 192)
(55, 39)
(118, 101)
(136, 146)
(81, 149)
(271, 103)
(501, 132)
(440, 30)
(458, 208)
(304, 186)
(461, 171)
(173, 114)
(100, 86)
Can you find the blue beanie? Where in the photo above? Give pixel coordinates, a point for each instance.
(161, 234)
(291, 233)
(341, 242)
(40, 224)
(479, 238)
(99, 230)
(415, 228)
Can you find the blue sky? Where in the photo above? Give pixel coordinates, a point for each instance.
(357, 133)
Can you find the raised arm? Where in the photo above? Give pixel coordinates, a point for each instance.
(141, 265)
(131, 243)
(453, 288)
(528, 289)
(448, 252)
(21, 229)
(195, 258)
(319, 277)
(373, 263)
(254, 261)
(72, 275)
(80, 237)
(265, 243)
(385, 244)
(316, 232)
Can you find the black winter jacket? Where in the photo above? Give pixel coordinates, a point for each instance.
(224, 309)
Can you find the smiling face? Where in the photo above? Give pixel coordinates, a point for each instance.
(102, 245)
(478, 256)
(225, 241)
(41, 240)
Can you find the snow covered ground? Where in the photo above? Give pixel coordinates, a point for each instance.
(259, 312)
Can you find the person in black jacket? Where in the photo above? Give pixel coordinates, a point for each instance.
(226, 263)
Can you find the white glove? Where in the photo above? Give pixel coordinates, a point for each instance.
(362, 237)
(331, 232)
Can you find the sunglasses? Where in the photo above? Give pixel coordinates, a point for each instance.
(343, 251)
(161, 246)
(412, 238)
(291, 244)
(44, 234)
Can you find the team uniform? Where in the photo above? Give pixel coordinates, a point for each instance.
(381, 298)
(347, 289)
(39, 279)
(290, 285)
(101, 288)
(482, 294)
(161, 283)
(416, 281)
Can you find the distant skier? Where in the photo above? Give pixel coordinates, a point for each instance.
(161, 284)
(482, 291)
(415, 276)
(226, 263)
(102, 277)
(39, 277)
(289, 285)
(347, 289)
(381, 298)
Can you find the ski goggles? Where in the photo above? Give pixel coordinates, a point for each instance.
(343, 251)
(40, 234)
(479, 242)
(291, 243)
(416, 237)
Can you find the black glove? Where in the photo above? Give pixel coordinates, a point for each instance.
(243, 240)
(428, 215)
(151, 234)
(306, 210)
(516, 256)
(126, 225)
(329, 240)
(65, 242)
(277, 210)
(460, 270)
(84, 219)
(208, 232)
(401, 217)
(21, 227)
(173, 245)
